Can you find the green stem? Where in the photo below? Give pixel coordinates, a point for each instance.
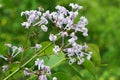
(27, 62)
(12, 74)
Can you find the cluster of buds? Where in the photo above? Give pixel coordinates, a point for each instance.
(64, 20)
(42, 72)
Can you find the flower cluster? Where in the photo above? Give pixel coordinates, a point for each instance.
(77, 50)
(42, 72)
(13, 51)
(64, 20)
(35, 18)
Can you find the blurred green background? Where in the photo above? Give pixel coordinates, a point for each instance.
(104, 28)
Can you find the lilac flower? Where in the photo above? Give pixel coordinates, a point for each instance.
(14, 48)
(84, 20)
(54, 16)
(61, 9)
(20, 50)
(56, 49)
(72, 40)
(26, 24)
(5, 68)
(63, 33)
(42, 77)
(89, 55)
(77, 48)
(75, 6)
(80, 61)
(3, 57)
(37, 46)
(27, 72)
(44, 70)
(47, 14)
(8, 45)
(44, 28)
(72, 60)
(85, 31)
(47, 70)
(39, 63)
(14, 51)
(73, 15)
(52, 37)
(85, 46)
(70, 51)
(42, 21)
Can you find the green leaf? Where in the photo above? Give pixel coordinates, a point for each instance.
(89, 66)
(76, 68)
(60, 76)
(47, 51)
(95, 54)
(54, 60)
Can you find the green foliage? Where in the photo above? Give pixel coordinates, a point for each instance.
(60, 76)
(48, 51)
(90, 67)
(95, 54)
(54, 60)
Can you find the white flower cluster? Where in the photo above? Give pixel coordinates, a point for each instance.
(43, 70)
(64, 20)
(77, 50)
(35, 18)
(13, 51)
